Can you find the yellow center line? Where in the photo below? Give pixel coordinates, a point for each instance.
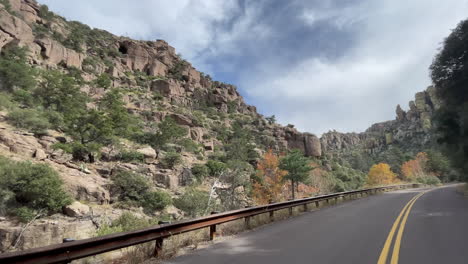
(388, 242)
(396, 246)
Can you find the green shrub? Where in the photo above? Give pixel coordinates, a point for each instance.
(157, 200)
(29, 119)
(103, 81)
(36, 186)
(131, 156)
(200, 171)
(171, 159)
(25, 214)
(216, 167)
(190, 145)
(125, 222)
(45, 13)
(130, 186)
(429, 180)
(5, 101)
(15, 72)
(193, 201)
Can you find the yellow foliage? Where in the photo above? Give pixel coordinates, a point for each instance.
(415, 168)
(271, 185)
(381, 174)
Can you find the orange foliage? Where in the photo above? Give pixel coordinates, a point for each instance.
(381, 174)
(415, 168)
(271, 185)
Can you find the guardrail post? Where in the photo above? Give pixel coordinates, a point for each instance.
(66, 240)
(290, 211)
(305, 207)
(272, 216)
(317, 204)
(213, 229)
(158, 247)
(247, 220)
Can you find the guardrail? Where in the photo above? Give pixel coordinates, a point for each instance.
(66, 252)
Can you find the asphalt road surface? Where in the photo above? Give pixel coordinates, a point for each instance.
(407, 226)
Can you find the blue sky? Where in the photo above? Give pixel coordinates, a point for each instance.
(317, 64)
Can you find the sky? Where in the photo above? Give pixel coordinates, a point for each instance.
(318, 64)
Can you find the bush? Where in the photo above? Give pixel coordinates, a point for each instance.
(171, 159)
(193, 202)
(25, 214)
(35, 186)
(157, 200)
(130, 186)
(429, 180)
(190, 145)
(216, 167)
(131, 156)
(200, 171)
(5, 101)
(126, 222)
(15, 72)
(29, 119)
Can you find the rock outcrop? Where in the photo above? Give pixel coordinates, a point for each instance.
(411, 129)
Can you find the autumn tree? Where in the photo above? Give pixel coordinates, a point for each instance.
(297, 167)
(269, 182)
(380, 174)
(415, 168)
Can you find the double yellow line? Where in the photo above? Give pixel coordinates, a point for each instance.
(396, 247)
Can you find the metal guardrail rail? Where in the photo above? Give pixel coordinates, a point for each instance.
(66, 252)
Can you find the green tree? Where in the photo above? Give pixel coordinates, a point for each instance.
(449, 73)
(193, 201)
(35, 186)
(89, 130)
(15, 72)
(297, 167)
(123, 123)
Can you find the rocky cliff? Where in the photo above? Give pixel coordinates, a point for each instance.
(410, 130)
(157, 82)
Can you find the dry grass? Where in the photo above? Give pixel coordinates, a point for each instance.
(183, 243)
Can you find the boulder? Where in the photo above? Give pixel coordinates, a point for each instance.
(55, 53)
(167, 88)
(40, 154)
(173, 212)
(196, 133)
(76, 209)
(182, 120)
(148, 152)
(186, 177)
(15, 28)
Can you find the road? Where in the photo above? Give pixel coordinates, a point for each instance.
(433, 228)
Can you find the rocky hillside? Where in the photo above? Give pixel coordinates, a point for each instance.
(129, 125)
(155, 85)
(410, 130)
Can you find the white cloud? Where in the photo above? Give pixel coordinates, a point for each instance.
(385, 62)
(387, 65)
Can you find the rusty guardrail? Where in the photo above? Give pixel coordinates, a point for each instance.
(66, 252)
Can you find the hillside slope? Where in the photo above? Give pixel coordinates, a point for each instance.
(102, 110)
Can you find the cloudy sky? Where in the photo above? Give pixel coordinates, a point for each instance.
(318, 64)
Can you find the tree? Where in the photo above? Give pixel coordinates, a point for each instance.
(297, 167)
(89, 130)
(15, 72)
(449, 73)
(271, 120)
(381, 174)
(123, 123)
(415, 168)
(168, 131)
(269, 184)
